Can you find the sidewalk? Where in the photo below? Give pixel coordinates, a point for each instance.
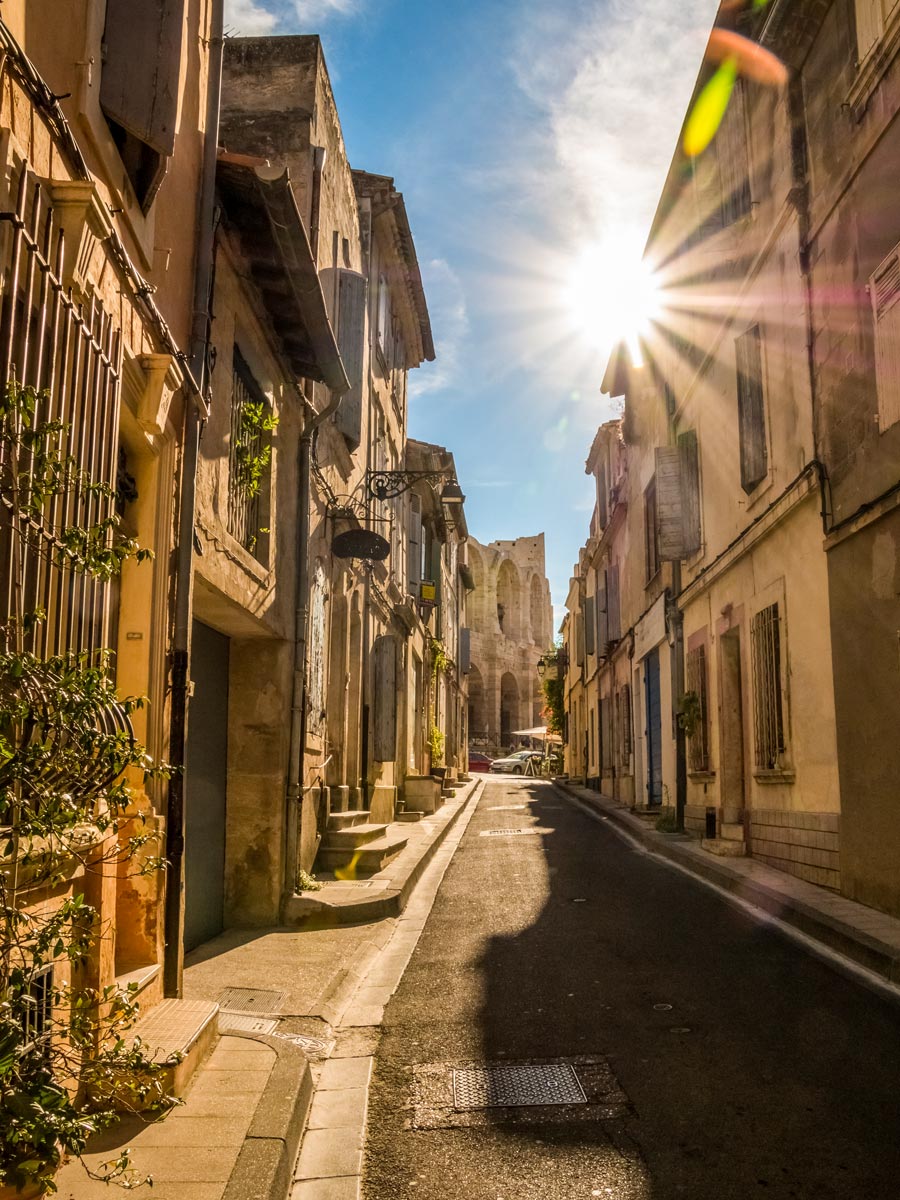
(865, 936)
(299, 1010)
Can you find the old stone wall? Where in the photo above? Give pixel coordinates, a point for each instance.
(511, 622)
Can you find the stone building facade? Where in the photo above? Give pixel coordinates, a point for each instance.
(511, 621)
(759, 440)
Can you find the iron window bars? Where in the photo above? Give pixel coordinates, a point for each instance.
(768, 714)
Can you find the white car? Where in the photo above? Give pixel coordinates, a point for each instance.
(515, 763)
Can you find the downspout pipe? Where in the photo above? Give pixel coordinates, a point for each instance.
(173, 960)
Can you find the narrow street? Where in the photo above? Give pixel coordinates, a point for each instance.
(727, 1062)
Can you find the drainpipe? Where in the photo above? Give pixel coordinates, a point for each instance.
(173, 960)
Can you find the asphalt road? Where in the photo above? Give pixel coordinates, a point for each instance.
(769, 1076)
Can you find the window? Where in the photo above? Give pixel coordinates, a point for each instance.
(140, 86)
(651, 531)
(38, 1017)
(602, 495)
(249, 460)
(884, 288)
(590, 645)
(872, 17)
(384, 332)
(734, 162)
(698, 742)
(768, 712)
(751, 409)
(606, 746)
(623, 718)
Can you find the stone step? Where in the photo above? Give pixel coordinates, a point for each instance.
(723, 847)
(186, 1027)
(409, 816)
(352, 836)
(731, 832)
(341, 820)
(366, 860)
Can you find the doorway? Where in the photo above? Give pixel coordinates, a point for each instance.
(206, 783)
(654, 729)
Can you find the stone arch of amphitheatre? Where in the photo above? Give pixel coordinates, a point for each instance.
(511, 622)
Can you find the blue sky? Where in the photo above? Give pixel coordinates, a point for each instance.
(530, 139)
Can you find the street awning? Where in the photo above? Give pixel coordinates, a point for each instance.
(540, 732)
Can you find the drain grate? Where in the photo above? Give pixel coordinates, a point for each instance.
(232, 1022)
(510, 1086)
(250, 1000)
(508, 832)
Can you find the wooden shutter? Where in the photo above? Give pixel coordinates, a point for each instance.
(589, 627)
(751, 409)
(385, 699)
(465, 651)
(668, 503)
(142, 68)
(414, 545)
(579, 639)
(884, 288)
(602, 612)
(690, 491)
(351, 338)
(734, 160)
(869, 24)
(612, 603)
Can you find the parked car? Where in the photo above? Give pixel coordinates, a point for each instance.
(479, 762)
(514, 764)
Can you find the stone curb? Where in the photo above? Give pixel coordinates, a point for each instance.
(266, 1160)
(392, 898)
(868, 951)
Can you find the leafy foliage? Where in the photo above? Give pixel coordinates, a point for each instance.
(67, 750)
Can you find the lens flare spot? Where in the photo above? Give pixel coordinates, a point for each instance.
(709, 109)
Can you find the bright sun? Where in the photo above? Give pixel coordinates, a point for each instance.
(612, 294)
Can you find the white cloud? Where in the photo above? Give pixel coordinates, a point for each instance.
(450, 326)
(314, 12)
(246, 18)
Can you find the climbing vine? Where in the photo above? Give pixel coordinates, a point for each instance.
(67, 755)
(253, 451)
(440, 663)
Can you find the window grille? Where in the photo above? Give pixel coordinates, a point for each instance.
(248, 445)
(698, 743)
(768, 714)
(751, 409)
(37, 1017)
(625, 723)
(51, 342)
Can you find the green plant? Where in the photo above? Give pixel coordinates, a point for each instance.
(554, 710)
(253, 451)
(307, 882)
(436, 746)
(689, 713)
(67, 753)
(666, 822)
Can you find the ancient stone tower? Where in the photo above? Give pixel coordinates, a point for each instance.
(511, 622)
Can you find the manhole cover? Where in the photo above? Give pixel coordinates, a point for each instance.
(509, 832)
(232, 1022)
(513, 1086)
(662, 1007)
(250, 1000)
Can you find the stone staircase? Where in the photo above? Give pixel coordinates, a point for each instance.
(729, 843)
(352, 840)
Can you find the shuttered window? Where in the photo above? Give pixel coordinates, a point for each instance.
(624, 724)
(689, 460)
(385, 700)
(351, 335)
(768, 710)
(884, 288)
(751, 409)
(614, 621)
(139, 85)
(589, 626)
(698, 742)
(651, 533)
(414, 557)
(734, 161)
(871, 20)
(602, 612)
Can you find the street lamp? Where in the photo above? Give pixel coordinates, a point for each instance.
(385, 485)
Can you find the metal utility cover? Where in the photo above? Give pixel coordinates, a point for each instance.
(250, 1000)
(229, 1022)
(508, 832)
(510, 1086)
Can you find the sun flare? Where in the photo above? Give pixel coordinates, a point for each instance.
(612, 294)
